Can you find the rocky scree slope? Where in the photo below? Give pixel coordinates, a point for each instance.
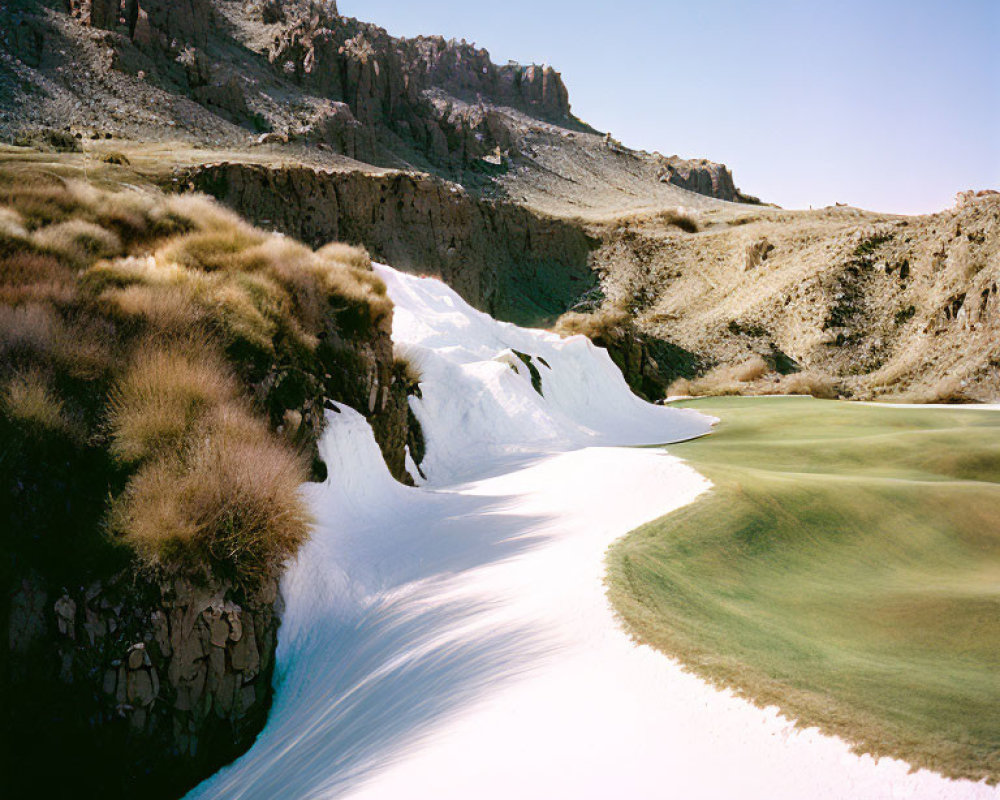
(222, 72)
(165, 369)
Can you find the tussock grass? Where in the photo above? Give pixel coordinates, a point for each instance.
(28, 401)
(809, 382)
(77, 240)
(162, 395)
(723, 380)
(843, 568)
(163, 339)
(606, 324)
(231, 499)
(404, 369)
(753, 376)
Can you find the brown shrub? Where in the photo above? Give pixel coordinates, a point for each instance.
(606, 324)
(809, 382)
(160, 399)
(233, 500)
(726, 379)
(115, 157)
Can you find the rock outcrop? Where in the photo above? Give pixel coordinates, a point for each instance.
(139, 683)
(502, 258)
(702, 176)
(383, 78)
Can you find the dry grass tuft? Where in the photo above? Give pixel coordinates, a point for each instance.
(28, 401)
(350, 255)
(233, 500)
(728, 379)
(79, 241)
(603, 325)
(408, 372)
(810, 382)
(214, 250)
(162, 396)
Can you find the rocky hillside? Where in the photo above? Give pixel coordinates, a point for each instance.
(839, 301)
(233, 73)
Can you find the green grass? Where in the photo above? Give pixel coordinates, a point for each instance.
(845, 567)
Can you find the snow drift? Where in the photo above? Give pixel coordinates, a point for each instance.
(454, 640)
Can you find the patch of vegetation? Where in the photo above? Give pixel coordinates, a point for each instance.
(536, 376)
(750, 329)
(602, 326)
(722, 380)
(49, 139)
(680, 219)
(904, 315)
(843, 568)
(871, 243)
(161, 352)
(115, 158)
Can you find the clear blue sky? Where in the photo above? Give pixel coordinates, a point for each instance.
(892, 105)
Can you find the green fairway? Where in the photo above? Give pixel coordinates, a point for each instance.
(845, 567)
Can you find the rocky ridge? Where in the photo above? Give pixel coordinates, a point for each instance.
(232, 73)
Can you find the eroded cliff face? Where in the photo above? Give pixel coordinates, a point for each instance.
(136, 683)
(703, 177)
(502, 258)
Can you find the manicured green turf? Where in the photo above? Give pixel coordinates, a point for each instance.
(845, 567)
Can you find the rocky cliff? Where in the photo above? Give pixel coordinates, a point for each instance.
(503, 258)
(135, 684)
(297, 73)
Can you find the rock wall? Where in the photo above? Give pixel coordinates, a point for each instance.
(135, 683)
(382, 78)
(702, 176)
(502, 258)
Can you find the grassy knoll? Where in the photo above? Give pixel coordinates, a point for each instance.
(846, 567)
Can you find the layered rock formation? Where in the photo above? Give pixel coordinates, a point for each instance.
(702, 176)
(138, 683)
(502, 258)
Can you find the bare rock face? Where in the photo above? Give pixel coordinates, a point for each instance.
(153, 682)
(504, 259)
(702, 176)
(173, 22)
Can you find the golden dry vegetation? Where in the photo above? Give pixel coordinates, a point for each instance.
(138, 333)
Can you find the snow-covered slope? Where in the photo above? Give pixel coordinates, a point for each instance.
(454, 640)
(478, 404)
